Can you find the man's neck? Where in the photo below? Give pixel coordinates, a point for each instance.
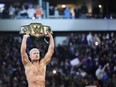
(35, 62)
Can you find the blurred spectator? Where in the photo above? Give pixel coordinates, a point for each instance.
(31, 12)
(105, 79)
(67, 13)
(100, 74)
(5, 13)
(77, 12)
(95, 41)
(114, 80)
(23, 12)
(56, 12)
(84, 10)
(96, 12)
(89, 39)
(17, 13)
(38, 12)
(51, 10)
(11, 11)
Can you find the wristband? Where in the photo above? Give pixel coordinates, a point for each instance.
(26, 36)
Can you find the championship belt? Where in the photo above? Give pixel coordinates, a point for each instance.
(36, 30)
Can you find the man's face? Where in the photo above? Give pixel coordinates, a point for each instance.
(35, 55)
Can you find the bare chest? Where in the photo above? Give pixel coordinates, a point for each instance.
(36, 70)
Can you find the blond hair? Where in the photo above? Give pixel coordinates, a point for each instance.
(32, 50)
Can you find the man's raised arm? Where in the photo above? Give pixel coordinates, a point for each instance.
(50, 51)
(24, 55)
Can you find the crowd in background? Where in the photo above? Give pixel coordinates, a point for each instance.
(95, 52)
(68, 13)
(35, 11)
(25, 10)
(22, 11)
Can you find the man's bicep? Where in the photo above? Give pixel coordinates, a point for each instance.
(25, 59)
(47, 58)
